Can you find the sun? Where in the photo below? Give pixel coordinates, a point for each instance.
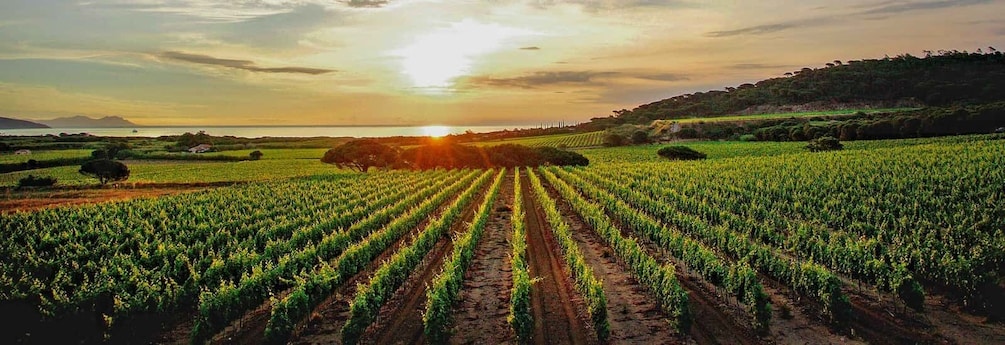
(435, 59)
(435, 131)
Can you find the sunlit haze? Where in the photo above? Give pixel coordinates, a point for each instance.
(422, 62)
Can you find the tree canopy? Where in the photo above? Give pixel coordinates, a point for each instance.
(937, 79)
(105, 170)
(361, 154)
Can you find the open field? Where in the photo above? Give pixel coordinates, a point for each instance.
(187, 172)
(759, 117)
(578, 140)
(884, 242)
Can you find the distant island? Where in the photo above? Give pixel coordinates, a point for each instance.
(87, 122)
(9, 123)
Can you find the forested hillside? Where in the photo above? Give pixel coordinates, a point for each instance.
(943, 78)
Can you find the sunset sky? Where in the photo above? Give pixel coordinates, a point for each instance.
(418, 62)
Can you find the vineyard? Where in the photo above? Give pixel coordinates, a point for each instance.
(579, 140)
(892, 242)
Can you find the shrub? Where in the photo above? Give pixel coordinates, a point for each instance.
(640, 137)
(32, 181)
(682, 153)
(748, 137)
(824, 144)
(361, 154)
(611, 140)
(256, 155)
(561, 157)
(105, 170)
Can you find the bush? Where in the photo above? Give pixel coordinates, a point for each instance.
(612, 140)
(824, 144)
(748, 137)
(256, 155)
(105, 170)
(640, 137)
(32, 181)
(361, 154)
(561, 157)
(682, 153)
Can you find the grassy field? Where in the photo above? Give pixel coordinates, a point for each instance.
(188, 172)
(44, 155)
(788, 115)
(691, 250)
(559, 140)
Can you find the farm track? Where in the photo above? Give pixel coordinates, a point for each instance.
(325, 323)
(400, 319)
(714, 322)
(483, 301)
(555, 306)
(634, 316)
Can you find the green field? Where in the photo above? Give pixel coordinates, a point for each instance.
(578, 140)
(44, 155)
(758, 117)
(188, 172)
(900, 218)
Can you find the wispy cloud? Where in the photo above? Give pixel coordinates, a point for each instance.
(883, 8)
(366, 3)
(551, 78)
(907, 6)
(771, 28)
(530, 48)
(246, 65)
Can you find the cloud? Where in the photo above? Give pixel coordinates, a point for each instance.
(900, 7)
(246, 65)
(366, 3)
(750, 66)
(530, 48)
(550, 78)
(595, 5)
(770, 28)
(884, 8)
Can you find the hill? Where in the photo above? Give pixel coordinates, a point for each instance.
(9, 123)
(87, 122)
(943, 79)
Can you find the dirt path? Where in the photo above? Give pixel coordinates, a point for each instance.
(24, 201)
(480, 316)
(634, 316)
(400, 320)
(325, 323)
(553, 300)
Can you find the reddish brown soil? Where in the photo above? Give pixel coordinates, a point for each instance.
(325, 323)
(13, 201)
(553, 299)
(716, 321)
(483, 302)
(400, 320)
(633, 314)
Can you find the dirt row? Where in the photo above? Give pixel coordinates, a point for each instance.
(635, 317)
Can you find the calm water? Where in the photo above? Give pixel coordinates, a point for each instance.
(256, 132)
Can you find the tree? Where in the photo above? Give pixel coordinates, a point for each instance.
(640, 137)
(681, 153)
(105, 170)
(612, 140)
(361, 154)
(255, 155)
(824, 144)
(562, 157)
(33, 181)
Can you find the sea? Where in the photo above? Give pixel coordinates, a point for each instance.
(268, 131)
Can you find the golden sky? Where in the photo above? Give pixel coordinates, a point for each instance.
(418, 62)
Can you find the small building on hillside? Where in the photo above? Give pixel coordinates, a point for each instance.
(22, 152)
(201, 148)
